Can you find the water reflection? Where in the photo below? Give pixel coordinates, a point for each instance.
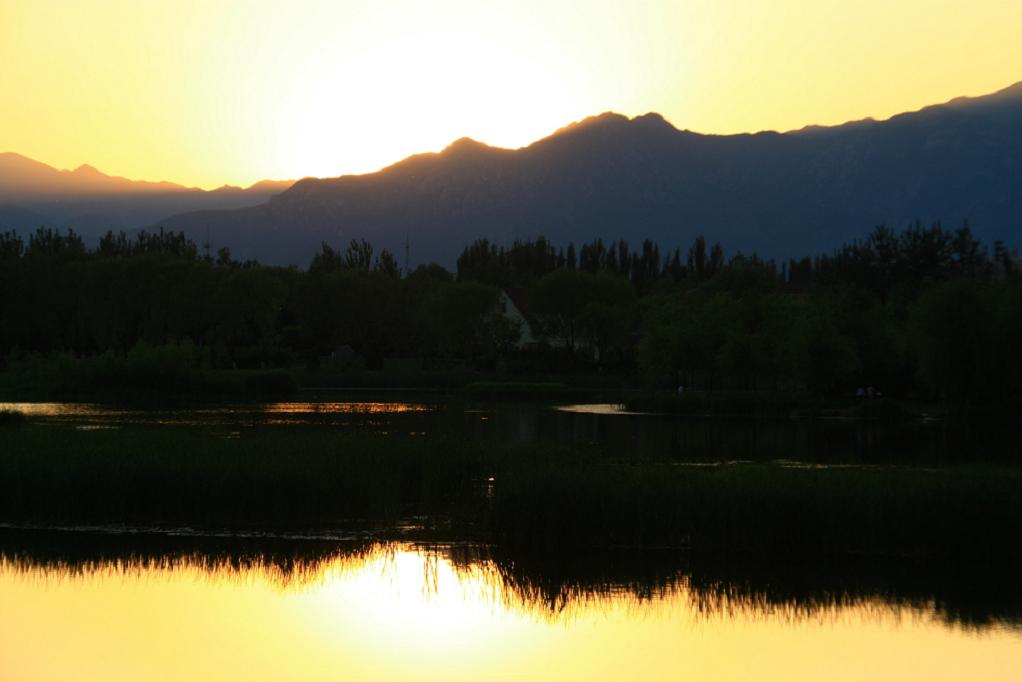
(344, 408)
(119, 607)
(617, 433)
(92, 415)
(962, 595)
(65, 410)
(598, 408)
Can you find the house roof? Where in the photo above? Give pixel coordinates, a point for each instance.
(520, 297)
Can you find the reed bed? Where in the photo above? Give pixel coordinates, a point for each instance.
(545, 499)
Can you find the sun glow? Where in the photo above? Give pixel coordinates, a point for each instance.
(427, 89)
(409, 613)
(211, 91)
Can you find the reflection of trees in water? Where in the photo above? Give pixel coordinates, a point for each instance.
(556, 586)
(976, 596)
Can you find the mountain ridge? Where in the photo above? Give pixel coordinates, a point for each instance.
(613, 177)
(34, 194)
(13, 161)
(1012, 92)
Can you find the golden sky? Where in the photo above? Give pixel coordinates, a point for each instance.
(207, 92)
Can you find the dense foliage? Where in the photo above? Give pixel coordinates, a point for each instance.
(925, 312)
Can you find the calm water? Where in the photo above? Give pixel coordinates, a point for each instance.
(87, 606)
(608, 427)
(187, 609)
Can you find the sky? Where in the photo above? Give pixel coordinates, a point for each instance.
(219, 91)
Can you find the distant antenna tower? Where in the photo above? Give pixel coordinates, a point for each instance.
(207, 245)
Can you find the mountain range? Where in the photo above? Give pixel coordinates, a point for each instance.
(33, 194)
(614, 177)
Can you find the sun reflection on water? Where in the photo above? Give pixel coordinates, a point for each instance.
(396, 611)
(92, 416)
(344, 408)
(53, 409)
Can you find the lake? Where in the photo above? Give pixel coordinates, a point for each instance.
(109, 604)
(114, 608)
(605, 427)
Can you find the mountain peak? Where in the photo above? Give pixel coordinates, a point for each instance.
(604, 120)
(15, 157)
(610, 121)
(15, 161)
(465, 143)
(85, 170)
(653, 120)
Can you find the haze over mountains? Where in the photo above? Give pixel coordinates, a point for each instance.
(609, 176)
(34, 194)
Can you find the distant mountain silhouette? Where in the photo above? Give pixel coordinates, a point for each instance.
(609, 176)
(613, 177)
(34, 194)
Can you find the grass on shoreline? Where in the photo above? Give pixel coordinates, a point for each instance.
(533, 499)
(98, 382)
(151, 373)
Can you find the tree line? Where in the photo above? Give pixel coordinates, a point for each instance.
(924, 312)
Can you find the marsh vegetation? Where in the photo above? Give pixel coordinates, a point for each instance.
(537, 497)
